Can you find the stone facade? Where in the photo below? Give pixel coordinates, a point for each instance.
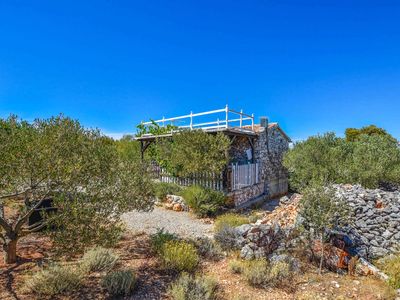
(270, 145)
(375, 230)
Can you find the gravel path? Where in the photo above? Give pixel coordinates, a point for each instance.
(180, 223)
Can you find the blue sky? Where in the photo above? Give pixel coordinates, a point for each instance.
(312, 66)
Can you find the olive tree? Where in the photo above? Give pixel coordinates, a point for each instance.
(79, 169)
(191, 152)
(321, 211)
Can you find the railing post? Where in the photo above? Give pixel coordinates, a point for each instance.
(252, 122)
(226, 116)
(163, 121)
(241, 117)
(191, 120)
(218, 122)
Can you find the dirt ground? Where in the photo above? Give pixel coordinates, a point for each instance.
(153, 281)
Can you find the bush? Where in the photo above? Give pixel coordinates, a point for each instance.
(256, 272)
(279, 274)
(162, 189)
(368, 160)
(99, 259)
(193, 288)
(260, 273)
(119, 282)
(204, 202)
(54, 280)
(236, 266)
(230, 219)
(391, 266)
(158, 239)
(179, 256)
(208, 249)
(227, 238)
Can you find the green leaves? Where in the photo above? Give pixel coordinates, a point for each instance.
(82, 170)
(369, 161)
(191, 152)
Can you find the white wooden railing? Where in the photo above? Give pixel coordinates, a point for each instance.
(244, 175)
(239, 119)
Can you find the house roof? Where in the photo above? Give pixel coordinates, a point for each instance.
(257, 129)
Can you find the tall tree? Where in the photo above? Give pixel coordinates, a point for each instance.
(79, 169)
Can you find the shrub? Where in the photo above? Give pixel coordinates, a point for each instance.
(256, 272)
(99, 259)
(119, 282)
(193, 288)
(162, 189)
(54, 280)
(227, 238)
(179, 256)
(208, 249)
(204, 202)
(391, 267)
(236, 266)
(158, 239)
(230, 219)
(279, 273)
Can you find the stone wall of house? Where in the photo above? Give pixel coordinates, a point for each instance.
(246, 194)
(268, 151)
(269, 147)
(237, 152)
(375, 230)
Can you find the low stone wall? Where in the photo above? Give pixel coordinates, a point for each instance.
(376, 227)
(246, 194)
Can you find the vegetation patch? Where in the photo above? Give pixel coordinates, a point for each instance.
(209, 249)
(162, 189)
(229, 220)
(226, 237)
(391, 266)
(158, 239)
(179, 256)
(204, 202)
(120, 282)
(99, 259)
(54, 280)
(188, 287)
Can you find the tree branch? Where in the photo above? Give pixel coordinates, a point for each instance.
(7, 227)
(23, 219)
(31, 230)
(15, 194)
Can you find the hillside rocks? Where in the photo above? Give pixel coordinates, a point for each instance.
(256, 241)
(375, 231)
(175, 203)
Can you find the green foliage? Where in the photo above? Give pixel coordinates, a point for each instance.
(99, 259)
(321, 210)
(80, 169)
(391, 267)
(236, 266)
(158, 239)
(154, 129)
(320, 160)
(119, 282)
(208, 249)
(279, 273)
(128, 148)
(204, 202)
(193, 152)
(256, 272)
(54, 280)
(188, 287)
(179, 256)
(354, 134)
(230, 220)
(162, 189)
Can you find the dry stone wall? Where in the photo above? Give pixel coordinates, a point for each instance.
(375, 230)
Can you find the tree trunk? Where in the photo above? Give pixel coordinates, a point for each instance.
(10, 251)
(322, 255)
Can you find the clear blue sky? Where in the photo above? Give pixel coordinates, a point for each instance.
(312, 66)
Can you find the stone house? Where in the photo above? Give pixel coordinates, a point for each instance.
(255, 171)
